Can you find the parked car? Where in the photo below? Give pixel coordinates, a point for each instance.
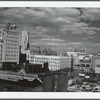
(96, 89)
(87, 86)
(72, 88)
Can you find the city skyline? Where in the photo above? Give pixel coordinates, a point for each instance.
(66, 27)
(65, 40)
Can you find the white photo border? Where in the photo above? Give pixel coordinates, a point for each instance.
(50, 95)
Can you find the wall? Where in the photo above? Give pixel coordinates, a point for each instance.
(59, 80)
(10, 46)
(96, 64)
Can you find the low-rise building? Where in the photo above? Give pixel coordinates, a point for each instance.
(19, 81)
(85, 63)
(75, 54)
(54, 62)
(96, 64)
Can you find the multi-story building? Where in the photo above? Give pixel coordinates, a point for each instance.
(85, 63)
(96, 64)
(54, 62)
(0, 54)
(10, 44)
(24, 40)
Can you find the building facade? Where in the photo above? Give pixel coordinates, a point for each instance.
(10, 44)
(69, 53)
(24, 40)
(84, 61)
(1, 46)
(54, 62)
(0, 54)
(28, 54)
(96, 64)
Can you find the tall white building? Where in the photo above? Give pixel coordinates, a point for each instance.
(24, 40)
(10, 44)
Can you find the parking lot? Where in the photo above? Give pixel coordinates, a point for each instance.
(85, 87)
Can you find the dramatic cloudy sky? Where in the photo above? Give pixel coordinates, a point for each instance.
(62, 28)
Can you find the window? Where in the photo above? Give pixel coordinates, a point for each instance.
(98, 65)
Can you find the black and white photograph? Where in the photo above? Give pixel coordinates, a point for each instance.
(49, 49)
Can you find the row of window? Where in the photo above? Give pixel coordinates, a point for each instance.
(52, 62)
(12, 41)
(47, 61)
(12, 37)
(12, 33)
(98, 65)
(12, 51)
(16, 48)
(11, 59)
(14, 55)
(81, 67)
(47, 58)
(43, 59)
(12, 44)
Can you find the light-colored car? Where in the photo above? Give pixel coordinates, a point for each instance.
(72, 88)
(96, 89)
(87, 86)
(85, 83)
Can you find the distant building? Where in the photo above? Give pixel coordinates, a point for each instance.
(81, 50)
(84, 61)
(10, 39)
(69, 53)
(55, 62)
(20, 81)
(24, 40)
(96, 64)
(0, 54)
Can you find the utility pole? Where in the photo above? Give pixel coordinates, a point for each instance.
(72, 63)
